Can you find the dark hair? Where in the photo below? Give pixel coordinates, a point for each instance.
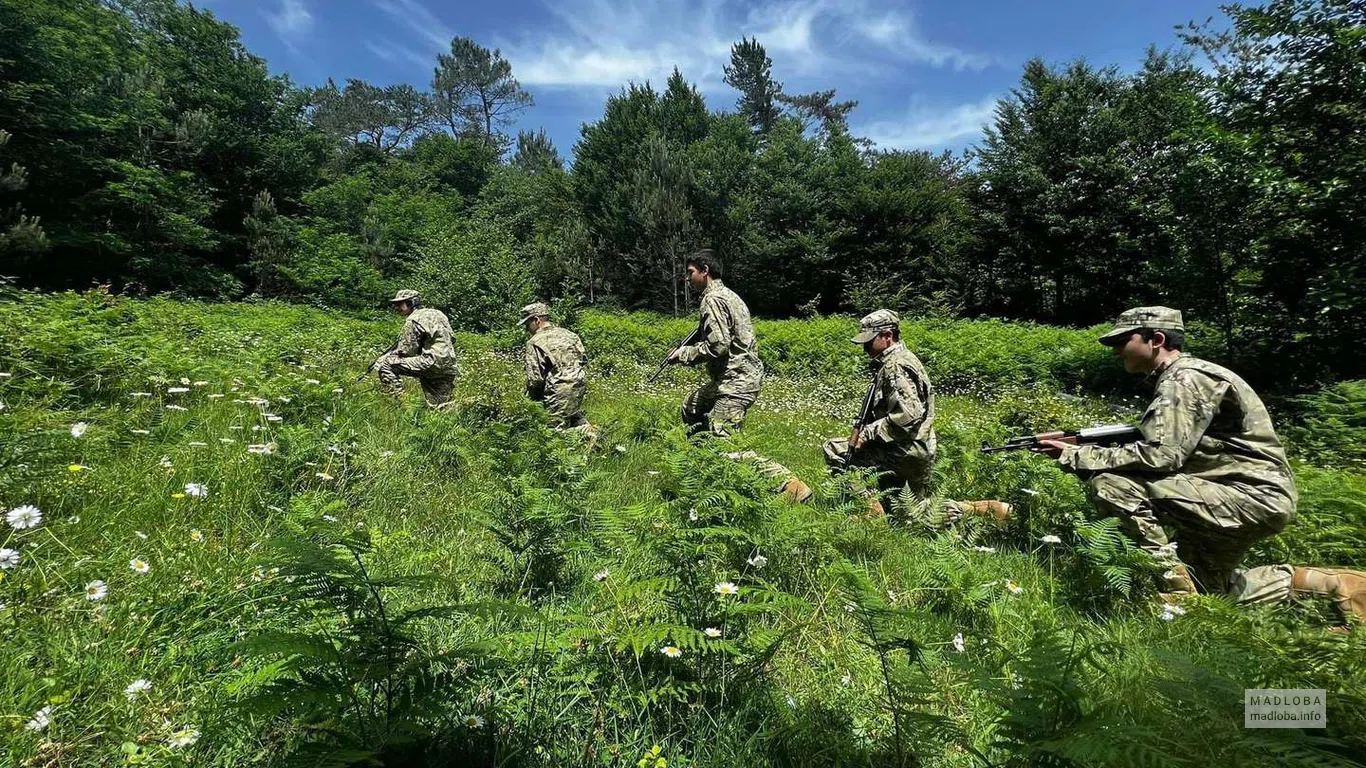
(1174, 339)
(705, 260)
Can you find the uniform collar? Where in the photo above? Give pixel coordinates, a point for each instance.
(888, 352)
(1161, 373)
(712, 287)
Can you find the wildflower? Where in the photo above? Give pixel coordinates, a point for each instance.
(196, 535)
(8, 558)
(620, 448)
(200, 383)
(261, 449)
(601, 575)
(758, 561)
(712, 632)
(76, 468)
(958, 644)
(337, 391)
(136, 687)
(198, 490)
(1013, 588)
(473, 721)
(79, 428)
(671, 651)
(386, 454)
(1171, 611)
(140, 535)
(848, 679)
(727, 588)
(183, 738)
(96, 590)
(184, 380)
(25, 516)
(139, 565)
(692, 515)
(312, 381)
(216, 396)
(176, 408)
(177, 390)
(142, 431)
(40, 720)
(329, 518)
(323, 476)
(141, 394)
(1051, 539)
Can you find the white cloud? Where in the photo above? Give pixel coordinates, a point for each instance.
(394, 53)
(604, 43)
(419, 19)
(291, 21)
(923, 128)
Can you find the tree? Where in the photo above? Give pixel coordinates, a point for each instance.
(387, 118)
(20, 235)
(820, 108)
(476, 92)
(536, 152)
(750, 73)
(269, 239)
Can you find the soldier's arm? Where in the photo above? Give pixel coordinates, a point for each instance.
(715, 342)
(905, 409)
(1172, 426)
(536, 364)
(410, 339)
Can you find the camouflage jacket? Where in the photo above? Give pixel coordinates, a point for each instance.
(727, 345)
(1204, 421)
(554, 359)
(903, 403)
(427, 333)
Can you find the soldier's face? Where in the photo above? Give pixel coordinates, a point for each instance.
(403, 308)
(698, 280)
(878, 344)
(1139, 356)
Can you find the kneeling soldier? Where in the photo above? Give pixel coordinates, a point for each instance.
(554, 366)
(1209, 467)
(424, 351)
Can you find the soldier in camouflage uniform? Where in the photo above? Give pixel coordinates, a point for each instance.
(1209, 467)
(899, 440)
(425, 351)
(727, 346)
(554, 366)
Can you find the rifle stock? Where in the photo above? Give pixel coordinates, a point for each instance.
(1113, 434)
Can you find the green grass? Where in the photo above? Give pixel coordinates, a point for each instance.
(259, 624)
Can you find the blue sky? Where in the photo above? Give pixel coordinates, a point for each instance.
(926, 73)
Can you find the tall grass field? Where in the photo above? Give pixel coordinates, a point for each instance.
(230, 552)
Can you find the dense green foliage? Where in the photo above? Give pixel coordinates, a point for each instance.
(144, 147)
(469, 587)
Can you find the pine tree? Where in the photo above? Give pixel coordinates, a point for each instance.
(750, 73)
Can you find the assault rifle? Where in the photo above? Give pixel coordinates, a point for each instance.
(1115, 434)
(691, 338)
(361, 377)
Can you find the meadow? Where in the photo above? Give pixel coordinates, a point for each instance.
(230, 552)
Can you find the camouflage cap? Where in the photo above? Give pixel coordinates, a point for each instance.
(1139, 318)
(874, 323)
(535, 309)
(404, 295)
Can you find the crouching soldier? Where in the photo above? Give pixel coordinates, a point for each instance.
(1209, 467)
(425, 351)
(554, 366)
(896, 435)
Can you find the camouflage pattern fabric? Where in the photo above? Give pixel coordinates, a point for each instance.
(731, 353)
(425, 351)
(1210, 467)
(900, 439)
(555, 361)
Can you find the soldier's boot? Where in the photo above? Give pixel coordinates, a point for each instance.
(1177, 584)
(875, 508)
(999, 511)
(1347, 588)
(796, 491)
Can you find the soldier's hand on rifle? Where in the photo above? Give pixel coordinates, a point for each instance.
(1051, 448)
(856, 438)
(672, 359)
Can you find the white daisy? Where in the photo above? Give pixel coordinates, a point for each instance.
(40, 720)
(96, 590)
(141, 394)
(312, 381)
(136, 687)
(177, 390)
(758, 561)
(601, 575)
(24, 516)
(8, 558)
(1171, 611)
(847, 679)
(1051, 539)
(198, 490)
(139, 565)
(142, 431)
(200, 383)
(1013, 588)
(726, 588)
(958, 644)
(166, 462)
(473, 721)
(79, 428)
(980, 548)
(261, 449)
(184, 380)
(671, 651)
(712, 632)
(176, 408)
(183, 738)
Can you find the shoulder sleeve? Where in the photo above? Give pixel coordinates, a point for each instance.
(715, 341)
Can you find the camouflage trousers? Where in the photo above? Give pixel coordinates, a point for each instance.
(438, 382)
(902, 468)
(766, 467)
(565, 403)
(708, 408)
(1214, 525)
